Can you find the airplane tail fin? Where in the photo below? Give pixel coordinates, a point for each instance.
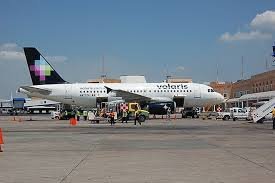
(40, 70)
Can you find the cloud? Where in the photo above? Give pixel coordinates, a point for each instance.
(180, 68)
(11, 55)
(56, 59)
(245, 36)
(261, 28)
(264, 21)
(12, 52)
(8, 46)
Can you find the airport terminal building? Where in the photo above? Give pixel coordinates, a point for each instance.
(248, 92)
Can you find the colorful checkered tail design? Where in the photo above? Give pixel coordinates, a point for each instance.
(40, 70)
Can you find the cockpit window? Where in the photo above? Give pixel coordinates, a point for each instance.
(212, 90)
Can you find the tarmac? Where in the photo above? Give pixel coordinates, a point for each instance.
(158, 151)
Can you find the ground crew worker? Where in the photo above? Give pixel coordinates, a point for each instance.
(78, 115)
(273, 117)
(136, 118)
(112, 117)
(85, 115)
(169, 113)
(124, 116)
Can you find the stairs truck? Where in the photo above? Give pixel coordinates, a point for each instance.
(262, 111)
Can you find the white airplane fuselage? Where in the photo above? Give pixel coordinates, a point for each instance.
(86, 94)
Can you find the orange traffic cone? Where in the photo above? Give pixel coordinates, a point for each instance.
(1, 140)
(175, 117)
(73, 122)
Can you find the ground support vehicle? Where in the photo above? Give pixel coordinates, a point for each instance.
(134, 108)
(192, 112)
(224, 115)
(235, 113)
(240, 113)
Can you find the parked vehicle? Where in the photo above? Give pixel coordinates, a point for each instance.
(63, 115)
(235, 113)
(224, 115)
(142, 115)
(191, 112)
(240, 113)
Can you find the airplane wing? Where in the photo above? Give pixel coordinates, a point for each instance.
(36, 90)
(128, 96)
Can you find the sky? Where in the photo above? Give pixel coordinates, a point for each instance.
(182, 38)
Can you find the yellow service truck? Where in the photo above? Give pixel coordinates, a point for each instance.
(132, 110)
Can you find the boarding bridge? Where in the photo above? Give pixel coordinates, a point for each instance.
(263, 110)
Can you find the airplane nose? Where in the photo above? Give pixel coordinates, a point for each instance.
(220, 97)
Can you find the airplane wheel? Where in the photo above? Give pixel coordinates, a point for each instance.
(141, 118)
(226, 118)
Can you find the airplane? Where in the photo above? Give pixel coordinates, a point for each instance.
(48, 84)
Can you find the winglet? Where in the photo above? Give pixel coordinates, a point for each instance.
(108, 89)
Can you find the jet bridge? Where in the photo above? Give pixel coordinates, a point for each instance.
(262, 111)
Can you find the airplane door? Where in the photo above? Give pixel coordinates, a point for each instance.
(68, 91)
(197, 91)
